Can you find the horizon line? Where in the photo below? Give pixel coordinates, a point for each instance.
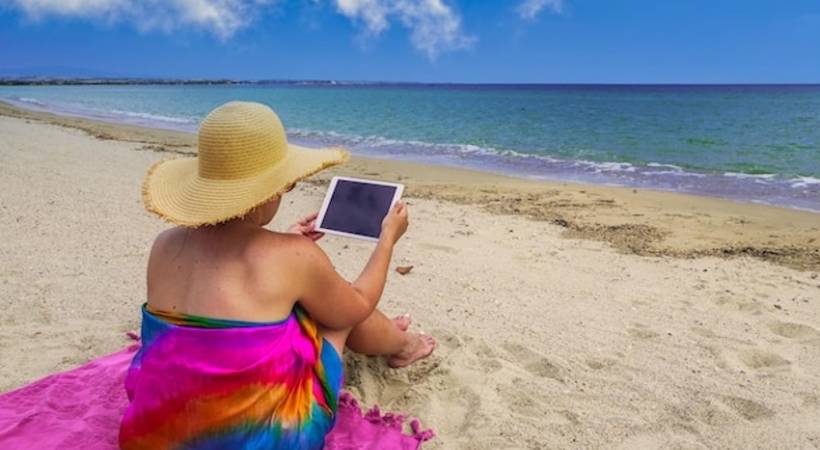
(57, 80)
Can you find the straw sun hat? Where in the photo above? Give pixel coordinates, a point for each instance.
(244, 160)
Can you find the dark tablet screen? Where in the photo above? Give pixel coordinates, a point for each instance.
(358, 208)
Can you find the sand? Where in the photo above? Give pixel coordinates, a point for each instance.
(569, 316)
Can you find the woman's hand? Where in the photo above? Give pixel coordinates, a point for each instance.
(395, 223)
(306, 226)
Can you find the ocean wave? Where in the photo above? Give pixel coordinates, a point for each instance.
(678, 173)
(31, 101)
(610, 166)
(110, 115)
(804, 182)
(753, 176)
(152, 117)
(665, 166)
(379, 142)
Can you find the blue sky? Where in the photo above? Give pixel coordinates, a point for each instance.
(540, 41)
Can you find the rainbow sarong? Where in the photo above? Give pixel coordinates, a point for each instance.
(200, 383)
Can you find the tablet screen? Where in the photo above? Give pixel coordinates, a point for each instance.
(358, 208)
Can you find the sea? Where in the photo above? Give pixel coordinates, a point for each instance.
(756, 143)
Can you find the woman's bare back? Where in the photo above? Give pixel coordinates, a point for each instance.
(237, 271)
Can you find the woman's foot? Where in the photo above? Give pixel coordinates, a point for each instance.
(419, 346)
(403, 321)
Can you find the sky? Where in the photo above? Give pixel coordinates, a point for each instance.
(471, 41)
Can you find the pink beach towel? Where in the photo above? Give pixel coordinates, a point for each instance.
(83, 407)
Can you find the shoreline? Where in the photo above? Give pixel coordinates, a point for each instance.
(640, 221)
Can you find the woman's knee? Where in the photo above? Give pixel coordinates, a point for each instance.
(337, 338)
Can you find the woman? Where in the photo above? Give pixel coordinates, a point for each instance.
(243, 328)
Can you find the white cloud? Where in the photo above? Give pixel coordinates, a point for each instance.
(434, 26)
(222, 17)
(530, 9)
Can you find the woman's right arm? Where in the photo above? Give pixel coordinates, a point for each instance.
(333, 301)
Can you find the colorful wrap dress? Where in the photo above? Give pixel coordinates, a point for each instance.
(201, 383)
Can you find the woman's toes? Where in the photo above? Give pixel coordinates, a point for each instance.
(420, 347)
(428, 342)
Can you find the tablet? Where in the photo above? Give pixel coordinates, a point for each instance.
(356, 208)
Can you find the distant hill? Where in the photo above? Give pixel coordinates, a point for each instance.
(57, 72)
(40, 79)
(56, 81)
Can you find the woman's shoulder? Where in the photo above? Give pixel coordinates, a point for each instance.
(167, 238)
(289, 248)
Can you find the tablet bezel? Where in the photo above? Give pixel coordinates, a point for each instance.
(329, 194)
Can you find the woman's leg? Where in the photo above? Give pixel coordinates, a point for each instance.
(379, 335)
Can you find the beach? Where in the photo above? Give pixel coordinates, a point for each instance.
(568, 315)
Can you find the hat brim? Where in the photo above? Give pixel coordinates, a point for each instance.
(174, 190)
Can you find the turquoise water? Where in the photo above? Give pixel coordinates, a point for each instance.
(757, 143)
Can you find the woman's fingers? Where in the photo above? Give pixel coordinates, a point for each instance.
(306, 226)
(401, 208)
(309, 218)
(310, 226)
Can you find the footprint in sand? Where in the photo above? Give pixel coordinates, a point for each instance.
(810, 399)
(521, 399)
(599, 363)
(721, 411)
(439, 248)
(699, 410)
(487, 359)
(447, 396)
(466, 398)
(652, 440)
(759, 359)
(792, 330)
(534, 362)
(446, 339)
(480, 355)
(752, 307)
(716, 352)
(640, 331)
(748, 409)
(544, 368)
